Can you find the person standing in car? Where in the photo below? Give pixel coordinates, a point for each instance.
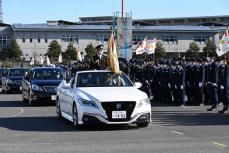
(99, 61)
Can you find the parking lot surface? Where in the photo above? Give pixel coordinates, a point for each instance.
(174, 129)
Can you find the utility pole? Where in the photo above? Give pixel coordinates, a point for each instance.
(1, 20)
(122, 8)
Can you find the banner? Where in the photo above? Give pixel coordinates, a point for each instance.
(223, 44)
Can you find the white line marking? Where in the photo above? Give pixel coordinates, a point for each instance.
(219, 144)
(177, 132)
(17, 114)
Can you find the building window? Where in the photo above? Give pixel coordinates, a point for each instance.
(30, 40)
(46, 40)
(169, 39)
(70, 38)
(38, 39)
(138, 38)
(4, 41)
(23, 39)
(101, 38)
(200, 39)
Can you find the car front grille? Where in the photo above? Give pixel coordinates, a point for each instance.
(50, 89)
(127, 106)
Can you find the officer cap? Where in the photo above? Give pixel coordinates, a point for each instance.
(99, 46)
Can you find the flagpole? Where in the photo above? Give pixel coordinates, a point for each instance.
(122, 8)
(225, 55)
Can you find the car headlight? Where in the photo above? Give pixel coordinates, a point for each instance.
(36, 87)
(85, 102)
(8, 81)
(144, 102)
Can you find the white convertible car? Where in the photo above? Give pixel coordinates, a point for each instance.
(102, 97)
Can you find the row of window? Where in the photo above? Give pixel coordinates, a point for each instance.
(4, 41)
(38, 40)
(70, 38)
(171, 39)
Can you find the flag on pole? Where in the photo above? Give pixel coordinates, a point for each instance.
(223, 44)
(151, 46)
(79, 57)
(48, 61)
(32, 62)
(113, 62)
(60, 59)
(141, 47)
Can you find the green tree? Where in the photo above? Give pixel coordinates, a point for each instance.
(90, 50)
(193, 50)
(70, 52)
(14, 51)
(54, 50)
(159, 51)
(210, 49)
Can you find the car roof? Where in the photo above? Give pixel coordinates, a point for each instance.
(47, 68)
(94, 71)
(20, 68)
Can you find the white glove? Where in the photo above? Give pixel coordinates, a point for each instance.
(182, 87)
(200, 84)
(214, 84)
(221, 87)
(169, 85)
(175, 86)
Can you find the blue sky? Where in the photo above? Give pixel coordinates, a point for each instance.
(39, 11)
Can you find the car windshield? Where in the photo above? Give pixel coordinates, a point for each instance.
(48, 74)
(17, 72)
(3, 71)
(102, 79)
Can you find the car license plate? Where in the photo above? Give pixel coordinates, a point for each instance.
(118, 114)
(53, 97)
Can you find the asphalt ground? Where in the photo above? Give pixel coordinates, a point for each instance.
(36, 129)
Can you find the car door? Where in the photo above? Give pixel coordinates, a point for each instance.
(70, 97)
(62, 98)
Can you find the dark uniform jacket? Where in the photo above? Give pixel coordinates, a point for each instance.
(99, 63)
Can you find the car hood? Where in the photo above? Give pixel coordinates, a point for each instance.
(111, 94)
(46, 82)
(15, 77)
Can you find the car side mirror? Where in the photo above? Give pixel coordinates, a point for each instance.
(26, 73)
(65, 84)
(137, 85)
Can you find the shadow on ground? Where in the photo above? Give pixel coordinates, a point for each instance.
(188, 118)
(52, 124)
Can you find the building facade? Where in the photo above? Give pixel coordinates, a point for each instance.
(34, 39)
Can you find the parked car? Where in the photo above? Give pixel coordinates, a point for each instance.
(102, 97)
(11, 81)
(3, 72)
(41, 84)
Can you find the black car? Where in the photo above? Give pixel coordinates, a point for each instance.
(41, 84)
(3, 72)
(11, 81)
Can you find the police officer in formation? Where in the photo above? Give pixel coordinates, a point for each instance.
(174, 81)
(183, 82)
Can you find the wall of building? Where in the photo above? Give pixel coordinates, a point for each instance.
(172, 41)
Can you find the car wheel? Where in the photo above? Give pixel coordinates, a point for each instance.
(75, 116)
(58, 111)
(143, 124)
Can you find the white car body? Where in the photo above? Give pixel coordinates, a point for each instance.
(114, 105)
